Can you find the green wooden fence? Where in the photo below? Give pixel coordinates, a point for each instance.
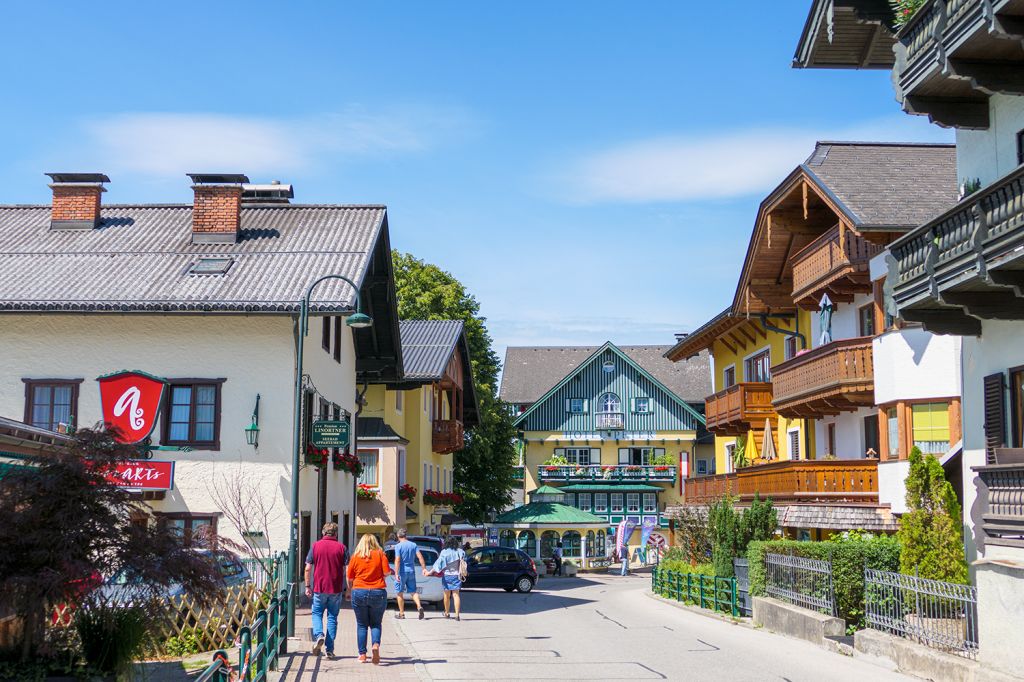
(260, 644)
(705, 591)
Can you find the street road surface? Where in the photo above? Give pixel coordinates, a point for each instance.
(607, 628)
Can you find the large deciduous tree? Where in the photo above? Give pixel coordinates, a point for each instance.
(484, 468)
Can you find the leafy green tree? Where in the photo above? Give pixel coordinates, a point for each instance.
(484, 468)
(731, 531)
(759, 522)
(930, 535)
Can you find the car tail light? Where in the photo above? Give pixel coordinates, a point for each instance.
(533, 566)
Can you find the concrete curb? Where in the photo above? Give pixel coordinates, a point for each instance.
(741, 621)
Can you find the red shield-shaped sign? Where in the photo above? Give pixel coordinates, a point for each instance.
(130, 403)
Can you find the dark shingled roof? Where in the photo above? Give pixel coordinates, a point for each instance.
(375, 428)
(427, 346)
(138, 259)
(531, 371)
(886, 185)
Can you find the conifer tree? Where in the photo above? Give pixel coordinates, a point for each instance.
(931, 535)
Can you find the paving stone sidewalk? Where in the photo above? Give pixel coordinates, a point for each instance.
(397, 663)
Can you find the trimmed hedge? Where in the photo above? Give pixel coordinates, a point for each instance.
(849, 554)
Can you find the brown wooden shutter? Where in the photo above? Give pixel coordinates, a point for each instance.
(995, 415)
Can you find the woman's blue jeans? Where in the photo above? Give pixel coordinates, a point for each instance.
(369, 607)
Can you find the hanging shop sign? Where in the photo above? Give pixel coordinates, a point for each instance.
(131, 402)
(143, 474)
(329, 433)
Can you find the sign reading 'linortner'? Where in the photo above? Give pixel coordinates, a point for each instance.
(329, 433)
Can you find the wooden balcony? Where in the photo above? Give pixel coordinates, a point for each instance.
(837, 377)
(612, 473)
(954, 54)
(792, 482)
(448, 436)
(999, 512)
(739, 408)
(966, 264)
(835, 263)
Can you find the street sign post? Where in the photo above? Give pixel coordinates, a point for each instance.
(329, 433)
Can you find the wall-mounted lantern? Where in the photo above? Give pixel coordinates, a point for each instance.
(252, 431)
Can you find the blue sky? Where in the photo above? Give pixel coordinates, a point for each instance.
(590, 170)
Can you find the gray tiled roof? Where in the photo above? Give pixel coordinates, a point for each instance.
(137, 260)
(837, 517)
(886, 184)
(530, 371)
(427, 346)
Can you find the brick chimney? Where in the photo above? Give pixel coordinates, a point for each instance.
(217, 208)
(76, 200)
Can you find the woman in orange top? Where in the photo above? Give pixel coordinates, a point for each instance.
(366, 572)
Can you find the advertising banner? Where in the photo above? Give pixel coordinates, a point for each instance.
(130, 402)
(622, 533)
(646, 529)
(143, 474)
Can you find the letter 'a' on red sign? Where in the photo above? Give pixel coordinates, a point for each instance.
(131, 403)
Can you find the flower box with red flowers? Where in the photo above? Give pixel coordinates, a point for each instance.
(436, 497)
(661, 468)
(634, 467)
(316, 456)
(343, 461)
(365, 492)
(406, 493)
(552, 468)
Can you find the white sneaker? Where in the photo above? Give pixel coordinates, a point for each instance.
(318, 645)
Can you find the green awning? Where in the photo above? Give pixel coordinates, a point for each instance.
(549, 513)
(611, 487)
(6, 467)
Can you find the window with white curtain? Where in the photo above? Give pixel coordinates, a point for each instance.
(368, 458)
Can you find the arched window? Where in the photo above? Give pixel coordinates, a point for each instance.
(528, 542)
(609, 402)
(507, 538)
(590, 543)
(547, 544)
(599, 545)
(571, 543)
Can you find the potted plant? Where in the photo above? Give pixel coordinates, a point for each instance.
(366, 492)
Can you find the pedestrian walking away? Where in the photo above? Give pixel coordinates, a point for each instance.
(451, 565)
(325, 583)
(366, 572)
(558, 558)
(406, 555)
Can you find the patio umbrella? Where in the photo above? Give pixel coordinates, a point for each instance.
(825, 318)
(768, 448)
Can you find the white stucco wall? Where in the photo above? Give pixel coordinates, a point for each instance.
(892, 488)
(990, 154)
(849, 434)
(844, 320)
(913, 364)
(254, 354)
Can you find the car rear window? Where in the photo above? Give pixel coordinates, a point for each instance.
(429, 556)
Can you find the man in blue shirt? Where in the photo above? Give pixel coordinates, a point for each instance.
(406, 555)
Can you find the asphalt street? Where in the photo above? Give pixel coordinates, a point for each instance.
(608, 628)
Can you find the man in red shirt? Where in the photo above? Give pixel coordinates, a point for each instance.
(325, 583)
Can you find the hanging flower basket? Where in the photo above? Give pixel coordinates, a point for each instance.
(365, 492)
(343, 461)
(316, 456)
(406, 493)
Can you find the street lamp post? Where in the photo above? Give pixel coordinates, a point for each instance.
(357, 320)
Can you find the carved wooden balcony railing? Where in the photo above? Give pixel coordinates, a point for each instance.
(837, 263)
(837, 377)
(954, 54)
(735, 410)
(1000, 506)
(789, 482)
(967, 263)
(448, 436)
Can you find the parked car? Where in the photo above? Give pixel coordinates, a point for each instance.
(505, 567)
(432, 541)
(429, 587)
(123, 586)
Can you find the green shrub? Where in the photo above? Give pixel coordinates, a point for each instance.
(692, 535)
(930, 535)
(111, 636)
(731, 531)
(850, 553)
(184, 644)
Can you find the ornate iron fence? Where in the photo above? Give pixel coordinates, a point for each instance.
(741, 568)
(705, 591)
(937, 614)
(800, 581)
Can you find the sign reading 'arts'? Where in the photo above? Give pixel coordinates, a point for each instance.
(131, 404)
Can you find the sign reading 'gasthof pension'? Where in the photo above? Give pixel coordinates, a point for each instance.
(329, 433)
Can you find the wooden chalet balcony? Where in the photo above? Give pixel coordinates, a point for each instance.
(737, 409)
(1001, 503)
(791, 482)
(954, 54)
(613, 473)
(448, 436)
(837, 263)
(967, 263)
(837, 377)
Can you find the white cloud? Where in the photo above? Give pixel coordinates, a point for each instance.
(168, 144)
(714, 165)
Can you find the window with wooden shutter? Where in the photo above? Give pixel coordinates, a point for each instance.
(595, 456)
(995, 415)
(794, 444)
(623, 455)
(930, 425)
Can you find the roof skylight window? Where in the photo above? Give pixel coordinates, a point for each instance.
(211, 266)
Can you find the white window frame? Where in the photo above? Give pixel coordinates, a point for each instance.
(759, 351)
(401, 467)
(730, 449)
(600, 503)
(572, 456)
(601, 403)
(725, 371)
(375, 452)
(636, 405)
(399, 401)
(786, 343)
(653, 499)
(789, 443)
(702, 467)
(622, 503)
(586, 501)
(574, 403)
(632, 503)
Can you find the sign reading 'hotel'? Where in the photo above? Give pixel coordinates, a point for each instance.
(329, 434)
